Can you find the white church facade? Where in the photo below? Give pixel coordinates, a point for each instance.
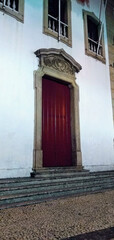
(55, 92)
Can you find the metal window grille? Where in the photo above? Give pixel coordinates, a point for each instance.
(12, 4)
(93, 46)
(93, 36)
(56, 25)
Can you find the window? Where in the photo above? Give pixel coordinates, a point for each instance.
(57, 19)
(94, 41)
(15, 8)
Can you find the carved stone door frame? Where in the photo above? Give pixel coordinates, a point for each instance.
(56, 63)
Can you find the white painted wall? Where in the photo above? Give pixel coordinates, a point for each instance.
(17, 62)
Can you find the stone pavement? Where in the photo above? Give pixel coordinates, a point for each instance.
(87, 217)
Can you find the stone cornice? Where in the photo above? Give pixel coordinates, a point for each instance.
(57, 59)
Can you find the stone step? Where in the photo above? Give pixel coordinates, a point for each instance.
(24, 191)
(78, 173)
(61, 169)
(69, 169)
(54, 178)
(53, 185)
(40, 175)
(58, 170)
(48, 191)
(63, 173)
(38, 196)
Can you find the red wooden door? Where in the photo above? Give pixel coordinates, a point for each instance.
(56, 129)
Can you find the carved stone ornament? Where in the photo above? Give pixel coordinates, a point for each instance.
(58, 63)
(57, 59)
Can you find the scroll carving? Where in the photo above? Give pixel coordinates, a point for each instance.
(59, 63)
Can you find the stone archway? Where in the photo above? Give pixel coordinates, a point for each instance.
(57, 64)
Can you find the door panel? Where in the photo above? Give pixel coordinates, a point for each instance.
(56, 129)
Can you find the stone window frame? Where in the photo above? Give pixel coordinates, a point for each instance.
(17, 15)
(87, 51)
(60, 66)
(47, 31)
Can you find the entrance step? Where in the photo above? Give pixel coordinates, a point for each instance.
(59, 172)
(50, 184)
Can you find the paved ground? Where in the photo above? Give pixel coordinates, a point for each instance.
(66, 218)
